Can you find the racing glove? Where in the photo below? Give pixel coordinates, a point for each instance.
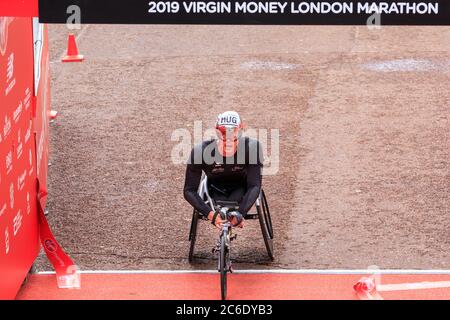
(236, 219)
(216, 219)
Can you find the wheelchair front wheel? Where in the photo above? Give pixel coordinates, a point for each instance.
(223, 264)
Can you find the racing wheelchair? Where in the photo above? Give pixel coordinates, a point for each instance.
(262, 214)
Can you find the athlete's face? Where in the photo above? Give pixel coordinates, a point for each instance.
(228, 134)
(228, 138)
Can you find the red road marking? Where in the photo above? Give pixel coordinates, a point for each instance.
(240, 287)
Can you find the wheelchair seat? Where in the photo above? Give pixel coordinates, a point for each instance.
(262, 214)
(234, 205)
(213, 203)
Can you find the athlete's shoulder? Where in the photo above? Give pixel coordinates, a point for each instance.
(251, 141)
(252, 144)
(254, 151)
(198, 152)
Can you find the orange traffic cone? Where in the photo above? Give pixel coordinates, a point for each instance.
(72, 51)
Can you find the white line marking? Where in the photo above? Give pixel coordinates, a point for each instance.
(269, 271)
(413, 286)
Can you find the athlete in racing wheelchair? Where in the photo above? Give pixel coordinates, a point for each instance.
(227, 172)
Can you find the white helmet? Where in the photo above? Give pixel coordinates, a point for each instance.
(229, 126)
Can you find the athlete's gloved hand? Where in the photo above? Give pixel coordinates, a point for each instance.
(218, 219)
(236, 219)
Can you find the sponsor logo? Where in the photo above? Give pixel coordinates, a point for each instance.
(17, 222)
(50, 245)
(10, 87)
(21, 180)
(10, 80)
(30, 157)
(10, 68)
(19, 144)
(227, 120)
(4, 22)
(40, 152)
(18, 112)
(3, 209)
(9, 162)
(28, 203)
(6, 241)
(7, 127)
(27, 99)
(28, 134)
(11, 196)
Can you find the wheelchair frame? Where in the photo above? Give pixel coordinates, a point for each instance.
(263, 215)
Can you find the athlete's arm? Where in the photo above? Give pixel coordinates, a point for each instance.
(254, 180)
(191, 183)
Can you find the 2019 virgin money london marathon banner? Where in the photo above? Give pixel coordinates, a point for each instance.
(412, 12)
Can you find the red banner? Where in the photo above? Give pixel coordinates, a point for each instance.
(19, 239)
(24, 141)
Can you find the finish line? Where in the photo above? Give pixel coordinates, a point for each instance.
(271, 271)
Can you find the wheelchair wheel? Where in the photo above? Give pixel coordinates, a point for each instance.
(223, 265)
(193, 234)
(267, 216)
(265, 222)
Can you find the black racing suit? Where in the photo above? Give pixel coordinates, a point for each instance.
(237, 178)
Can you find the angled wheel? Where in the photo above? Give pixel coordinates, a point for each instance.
(265, 222)
(193, 234)
(223, 265)
(267, 217)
